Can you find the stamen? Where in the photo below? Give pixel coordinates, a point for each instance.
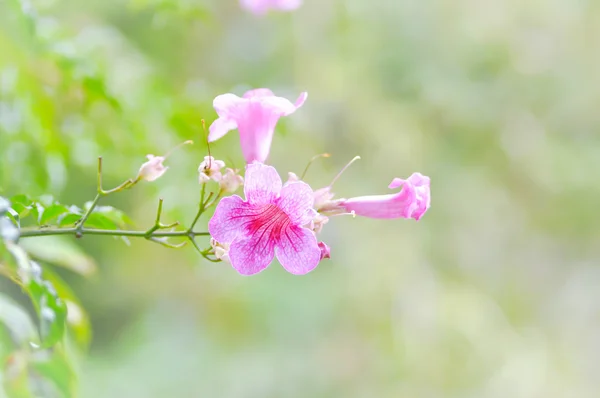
(177, 147)
(322, 155)
(354, 159)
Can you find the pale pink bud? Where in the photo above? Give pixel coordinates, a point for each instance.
(325, 251)
(152, 169)
(221, 250)
(231, 181)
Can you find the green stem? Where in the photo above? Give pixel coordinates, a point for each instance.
(27, 233)
(87, 214)
(200, 207)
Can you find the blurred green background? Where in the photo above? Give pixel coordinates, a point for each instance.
(494, 293)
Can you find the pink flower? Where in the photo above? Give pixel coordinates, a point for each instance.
(153, 169)
(411, 202)
(268, 223)
(325, 250)
(255, 116)
(260, 7)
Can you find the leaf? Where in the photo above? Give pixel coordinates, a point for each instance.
(77, 318)
(51, 310)
(69, 219)
(17, 322)
(57, 369)
(62, 252)
(98, 220)
(52, 212)
(115, 215)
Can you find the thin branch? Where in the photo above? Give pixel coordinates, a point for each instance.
(27, 233)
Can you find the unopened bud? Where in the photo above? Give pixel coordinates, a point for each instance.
(231, 181)
(152, 169)
(221, 250)
(325, 251)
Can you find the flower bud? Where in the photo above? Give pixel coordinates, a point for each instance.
(231, 181)
(325, 251)
(221, 250)
(152, 169)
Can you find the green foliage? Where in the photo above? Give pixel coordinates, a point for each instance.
(34, 359)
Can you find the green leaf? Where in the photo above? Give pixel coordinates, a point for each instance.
(52, 212)
(77, 319)
(98, 220)
(57, 369)
(61, 252)
(51, 310)
(22, 200)
(17, 321)
(69, 219)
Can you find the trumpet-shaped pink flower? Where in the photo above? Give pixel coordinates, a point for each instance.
(260, 7)
(411, 202)
(255, 116)
(268, 223)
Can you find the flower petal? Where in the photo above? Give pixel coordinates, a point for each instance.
(278, 105)
(229, 219)
(301, 99)
(220, 127)
(262, 185)
(251, 255)
(417, 179)
(296, 200)
(258, 92)
(287, 5)
(297, 250)
(228, 105)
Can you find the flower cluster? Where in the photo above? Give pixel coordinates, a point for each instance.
(283, 220)
(276, 219)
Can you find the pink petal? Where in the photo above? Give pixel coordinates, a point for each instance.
(278, 105)
(251, 255)
(325, 250)
(258, 92)
(416, 179)
(287, 5)
(296, 200)
(229, 105)
(256, 132)
(301, 99)
(220, 127)
(229, 219)
(297, 250)
(262, 185)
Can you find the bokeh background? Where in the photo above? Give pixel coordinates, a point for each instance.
(494, 293)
